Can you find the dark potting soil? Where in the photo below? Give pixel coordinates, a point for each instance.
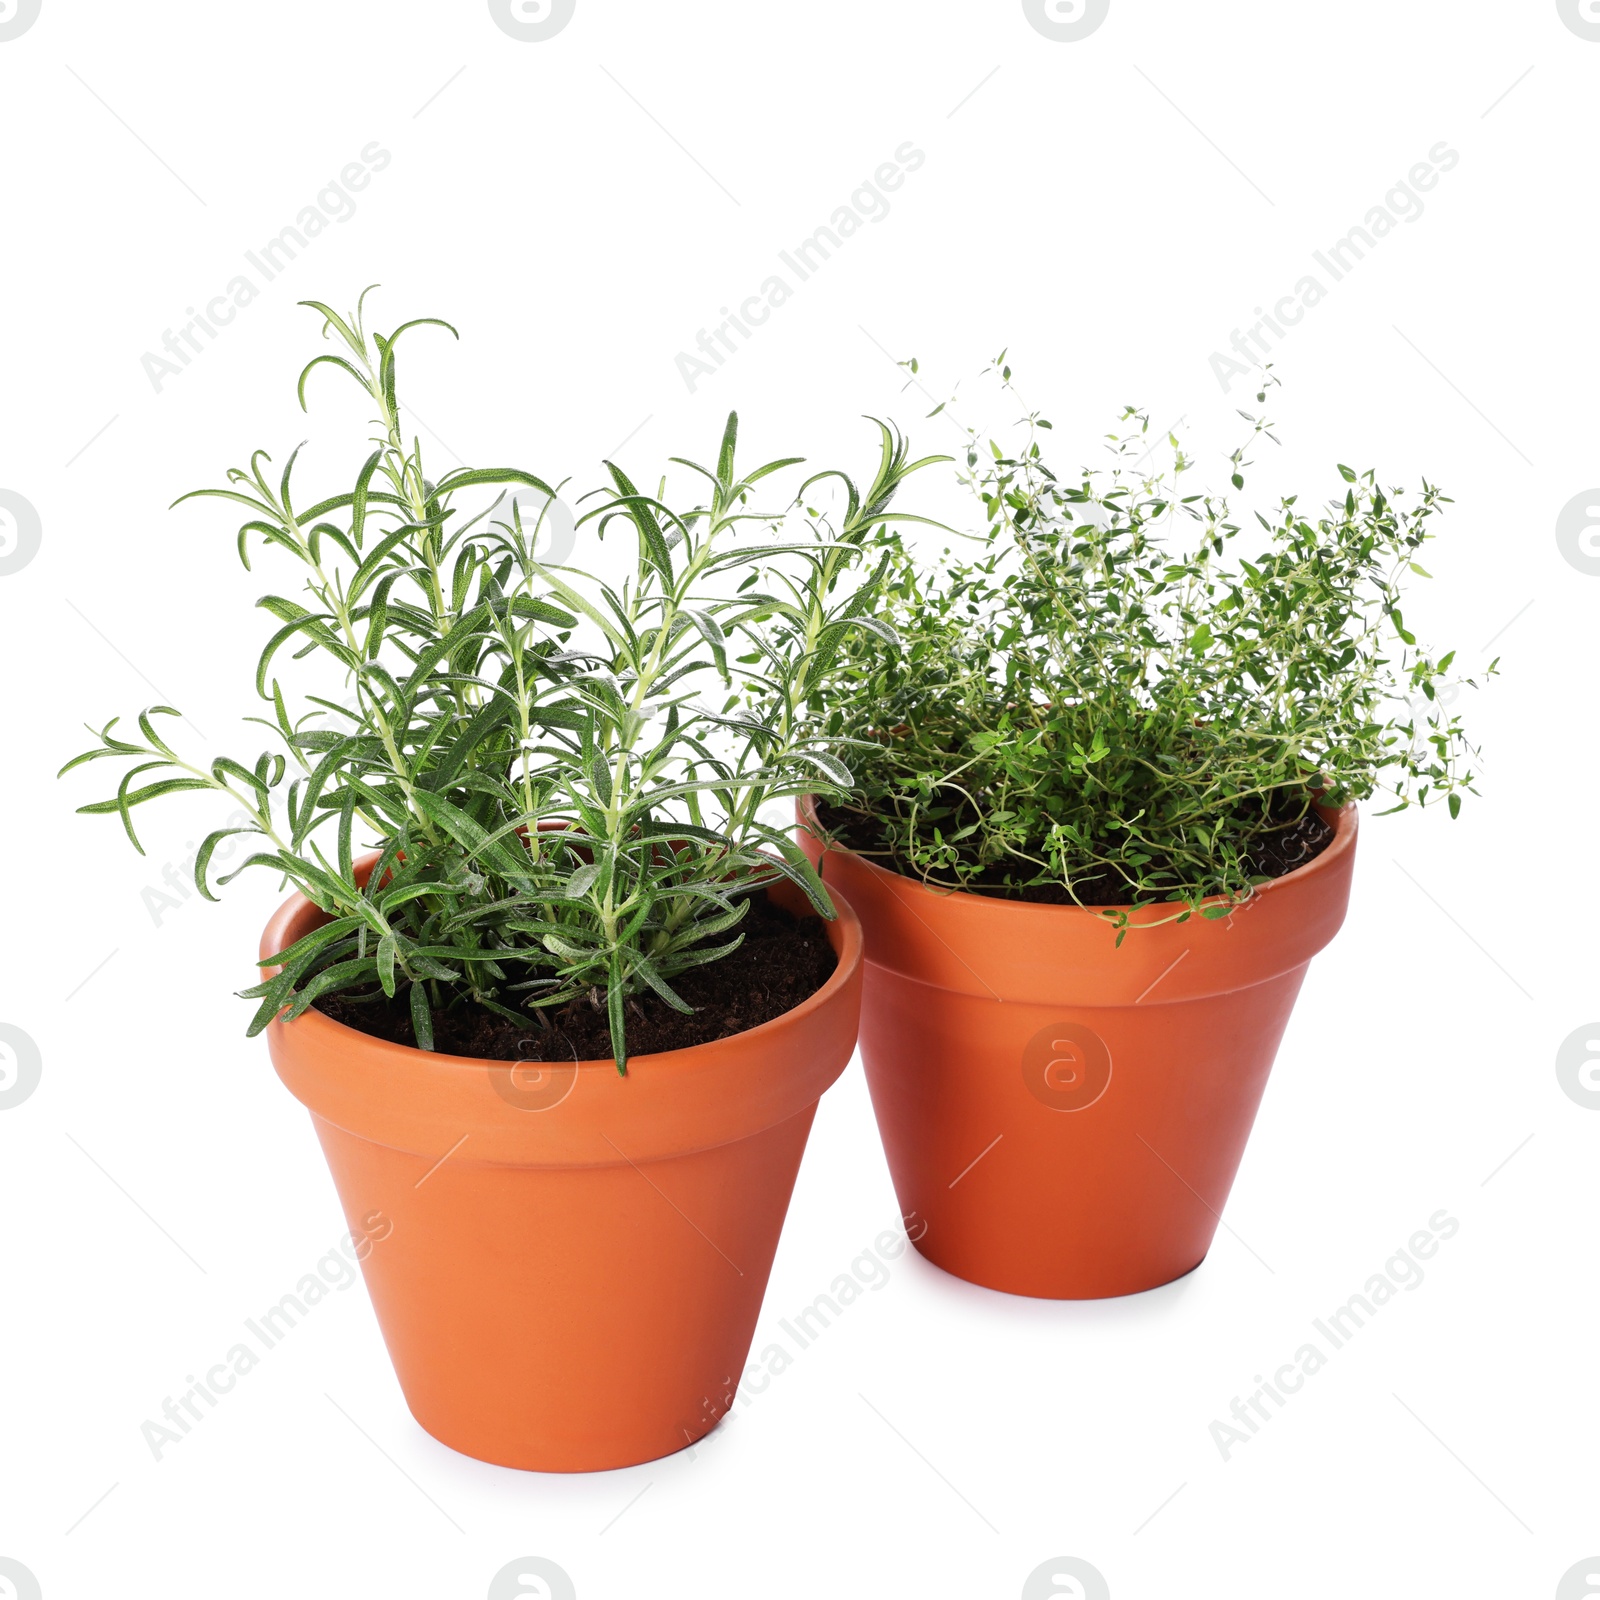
(1292, 841)
(784, 960)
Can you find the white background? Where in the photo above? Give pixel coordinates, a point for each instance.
(1110, 209)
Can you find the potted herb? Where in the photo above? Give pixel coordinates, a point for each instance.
(1104, 816)
(566, 1023)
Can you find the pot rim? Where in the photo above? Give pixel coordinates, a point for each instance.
(850, 951)
(1345, 820)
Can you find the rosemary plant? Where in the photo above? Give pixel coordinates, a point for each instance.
(1110, 704)
(562, 776)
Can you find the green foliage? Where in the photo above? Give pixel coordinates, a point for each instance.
(1110, 701)
(563, 775)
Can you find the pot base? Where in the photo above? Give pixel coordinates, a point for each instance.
(570, 1319)
(1066, 1154)
(534, 1460)
(1027, 1286)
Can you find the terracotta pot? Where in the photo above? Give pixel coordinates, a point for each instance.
(575, 1260)
(1066, 1116)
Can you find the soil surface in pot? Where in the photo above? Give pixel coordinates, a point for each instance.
(784, 960)
(1295, 841)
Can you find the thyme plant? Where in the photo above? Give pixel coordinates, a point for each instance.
(562, 775)
(1117, 700)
